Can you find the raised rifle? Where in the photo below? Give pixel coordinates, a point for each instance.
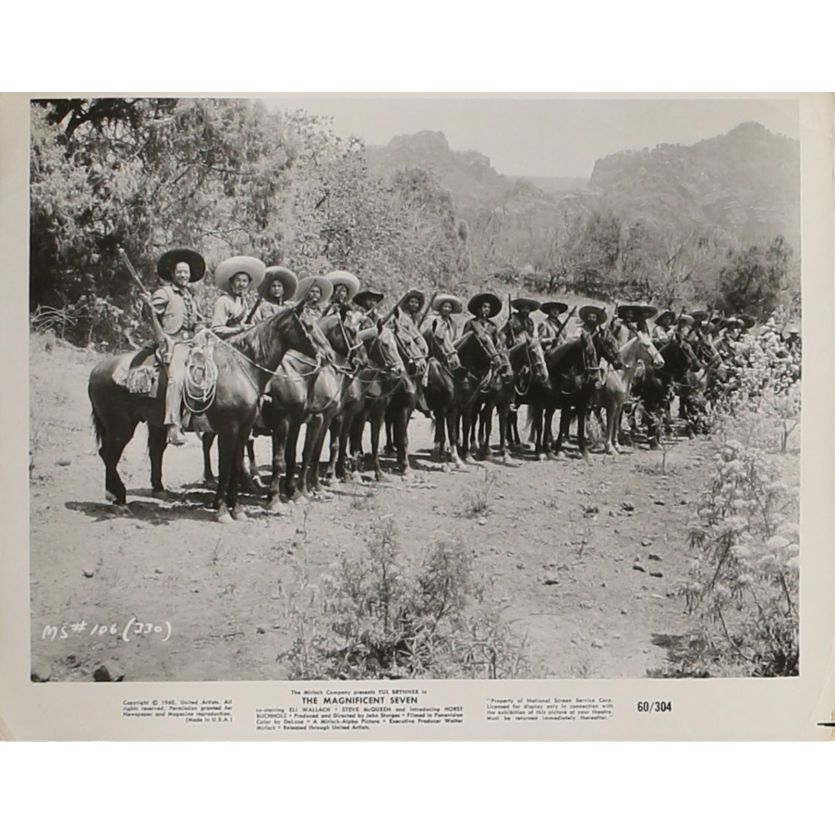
(261, 290)
(426, 311)
(394, 309)
(159, 334)
(565, 321)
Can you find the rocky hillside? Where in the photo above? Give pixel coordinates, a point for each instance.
(745, 183)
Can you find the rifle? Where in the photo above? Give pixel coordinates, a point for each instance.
(428, 308)
(565, 321)
(392, 311)
(159, 334)
(261, 290)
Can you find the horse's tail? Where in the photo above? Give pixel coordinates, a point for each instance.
(98, 427)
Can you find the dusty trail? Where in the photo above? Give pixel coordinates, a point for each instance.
(584, 554)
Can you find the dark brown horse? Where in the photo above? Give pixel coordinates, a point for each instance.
(451, 391)
(245, 365)
(415, 354)
(527, 364)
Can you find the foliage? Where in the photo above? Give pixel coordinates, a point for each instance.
(742, 583)
(383, 615)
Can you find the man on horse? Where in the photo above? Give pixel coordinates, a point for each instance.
(520, 327)
(635, 316)
(445, 306)
(483, 306)
(179, 317)
(367, 301)
(345, 287)
(277, 288)
(661, 331)
(551, 331)
(317, 291)
(234, 277)
(412, 305)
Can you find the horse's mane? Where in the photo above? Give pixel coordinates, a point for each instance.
(257, 342)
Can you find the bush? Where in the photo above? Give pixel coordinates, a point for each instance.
(382, 615)
(743, 580)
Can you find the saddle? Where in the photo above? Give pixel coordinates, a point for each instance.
(140, 373)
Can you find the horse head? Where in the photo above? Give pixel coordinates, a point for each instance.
(647, 350)
(440, 347)
(298, 330)
(607, 347)
(382, 350)
(412, 346)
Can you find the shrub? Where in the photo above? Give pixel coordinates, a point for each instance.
(382, 615)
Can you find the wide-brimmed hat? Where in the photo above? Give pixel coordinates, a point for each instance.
(547, 307)
(368, 295)
(587, 309)
(731, 322)
(667, 316)
(747, 321)
(289, 281)
(315, 281)
(700, 315)
(414, 293)
(479, 299)
(228, 269)
(685, 319)
(346, 279)
(169, 260)
(441, 298)
(794, 330)
(525, 304)
(638, 311)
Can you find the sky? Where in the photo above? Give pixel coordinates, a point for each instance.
(545, 137)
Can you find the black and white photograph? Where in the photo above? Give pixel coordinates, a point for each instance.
(376, 388)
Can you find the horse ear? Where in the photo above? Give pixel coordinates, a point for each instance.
(434, 325)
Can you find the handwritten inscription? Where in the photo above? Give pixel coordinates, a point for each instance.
(134, 628)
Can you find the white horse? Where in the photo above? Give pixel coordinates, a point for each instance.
(618, 384)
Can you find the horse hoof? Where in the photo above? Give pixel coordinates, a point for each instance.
(160, 494)
(224, 518)
(542, 457)
(210, 481)
(277, 508)
(238, 515)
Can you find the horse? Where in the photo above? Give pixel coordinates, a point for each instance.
(245, 364)
(452, 387)
(527, 364)
(572, 369)
(389, 378)
(617, 386)
(415, 353)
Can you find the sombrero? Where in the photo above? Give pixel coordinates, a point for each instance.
(700, 315)
(525, 304)
(369, 295)
(289, 281)
(346, 279)
(648, 311)
(747, 321)
(170, 259)
(588, 309)
(732, 322)
(441, 298)
(686, 319)
(315, 280)
(413, 294)
(665, 316)
(480, 298)
(635, 310)
(547, 307)
(228, 269)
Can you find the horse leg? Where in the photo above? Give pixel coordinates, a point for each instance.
(208, 440)
(467, 417)
(440, 435)
(581, 430)
(504, 416)
(274, 491)
(401, 438)
(376, 424)
(235, 479)
(333, 448)
(226, 442)
(113, 443)
(157, 441)
(452, 438)
(391, 444)
(290, 460)
(253, 464)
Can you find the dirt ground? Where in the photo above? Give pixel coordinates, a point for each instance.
(584, 554)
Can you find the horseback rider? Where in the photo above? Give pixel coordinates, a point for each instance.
(317, 291)
(234, 277)
(412, 305)
(551, 331)
(635, 316)
(445, 306)
(367, 301)
(345, 287)
(277, 288)
(179, 317)
(520, 327)
(661, 331)
(592, 317)
(483, 306)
